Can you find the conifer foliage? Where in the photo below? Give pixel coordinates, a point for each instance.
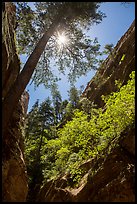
(37, 35)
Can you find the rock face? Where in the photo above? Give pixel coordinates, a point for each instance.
(10, 60)
(113, 180)
(119, 64)
(14, 176)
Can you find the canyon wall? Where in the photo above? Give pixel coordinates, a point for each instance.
(14, 175)
(118, 65)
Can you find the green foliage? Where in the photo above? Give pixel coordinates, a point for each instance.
(39, 128)
(84, 137)
(122, 58)
(81, 139)
(108, 48)
(57, 101)
(86, 105)
(78, 56)
(74, 95)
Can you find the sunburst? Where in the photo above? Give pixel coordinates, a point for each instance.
(62, 40)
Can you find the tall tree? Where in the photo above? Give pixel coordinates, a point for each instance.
(74, 95)
(38, 130)
(46, 113)
(57, 101)
(50, 19)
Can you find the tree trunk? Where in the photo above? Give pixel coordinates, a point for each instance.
(24, 77)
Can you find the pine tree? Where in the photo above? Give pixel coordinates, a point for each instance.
(42, 26)
(74, 96)
(38, 130)
(56, 100)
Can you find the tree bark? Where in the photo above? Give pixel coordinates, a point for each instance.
(14, 94)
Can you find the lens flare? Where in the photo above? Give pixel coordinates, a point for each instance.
(62, 39)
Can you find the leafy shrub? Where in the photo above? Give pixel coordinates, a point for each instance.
(83, 138)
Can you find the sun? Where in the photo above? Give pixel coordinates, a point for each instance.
(62, 39)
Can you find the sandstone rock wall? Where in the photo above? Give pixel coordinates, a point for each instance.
(14, 175)
(10, 59)
(113, 68)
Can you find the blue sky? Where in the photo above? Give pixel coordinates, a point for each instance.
(110, 30)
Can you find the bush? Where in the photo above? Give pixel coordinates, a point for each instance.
(81, 139)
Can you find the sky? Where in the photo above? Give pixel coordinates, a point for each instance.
(110, 30)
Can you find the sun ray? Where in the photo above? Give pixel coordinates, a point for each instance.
(62, 40)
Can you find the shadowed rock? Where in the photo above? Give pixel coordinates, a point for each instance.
(14, 175)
